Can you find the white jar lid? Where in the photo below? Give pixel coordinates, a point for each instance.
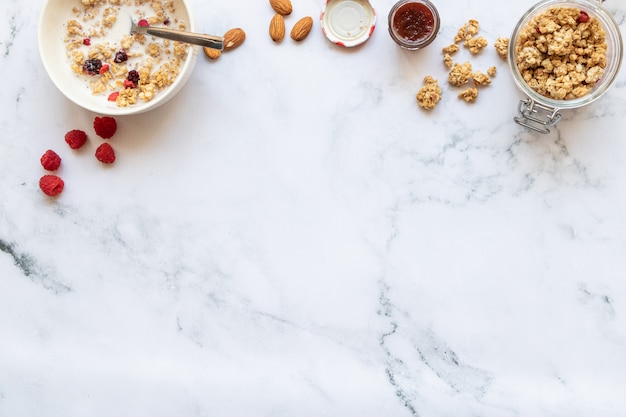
(348, 22)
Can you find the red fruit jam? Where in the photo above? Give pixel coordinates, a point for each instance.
(413, 24)
(414, 21)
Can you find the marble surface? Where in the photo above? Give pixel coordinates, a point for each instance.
(292, 236)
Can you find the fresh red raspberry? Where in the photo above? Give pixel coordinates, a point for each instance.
(75, 138)
(105, 154)
(105, 126)
(50, 160)
(51, 185)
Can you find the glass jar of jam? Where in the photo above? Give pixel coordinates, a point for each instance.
(413, 24)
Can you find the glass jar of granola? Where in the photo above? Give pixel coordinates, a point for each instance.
(563, 54)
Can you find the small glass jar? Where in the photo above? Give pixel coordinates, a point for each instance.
(413, 24)
(538, 112)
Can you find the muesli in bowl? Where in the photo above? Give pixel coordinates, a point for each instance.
(563, 54)
(91, 56)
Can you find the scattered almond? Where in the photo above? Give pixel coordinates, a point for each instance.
(277, 28)
(302, 28)
(282, 7)
(212, 53)
(234, 38)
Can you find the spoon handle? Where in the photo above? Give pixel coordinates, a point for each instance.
(209, 41)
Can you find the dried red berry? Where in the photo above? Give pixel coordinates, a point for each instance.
(105, 126)
(104, 68)
(51, 185)
(105, 154)
(113, 96)
(50, 160)
(87, 41)
(129, 84)
(584, 17)
(143, 22)
(75, 138)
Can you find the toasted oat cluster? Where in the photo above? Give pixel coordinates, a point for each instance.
(562, 53)
(469, 94)
(429, 95)
(460, 74)
(467, 31)
(127, 70)
(476, 44)
(502, 47)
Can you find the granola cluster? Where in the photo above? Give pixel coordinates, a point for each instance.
(561, 53)
(429, 95)
(127, 70)
(462, 74)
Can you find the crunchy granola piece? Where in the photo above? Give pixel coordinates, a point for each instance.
(560, 54)
(460, 74)
(491, 71)
(74, 28)
(109, 17)
(429, 95)
(502, 46)
(476, 45)
(469, 94)
(451, 49)
(448, 51)
(472, 28)
(467, 31)
(127, 97)
(461, 33)
(481, 79)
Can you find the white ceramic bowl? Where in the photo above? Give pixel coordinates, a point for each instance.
(52, 48)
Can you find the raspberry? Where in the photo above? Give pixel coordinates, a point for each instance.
(143, 22)
(105, 154)
(75, 138)
(50, 160)
(51, 185)
(105, 126)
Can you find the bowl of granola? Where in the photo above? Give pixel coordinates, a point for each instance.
(90, 55)
(563, 54)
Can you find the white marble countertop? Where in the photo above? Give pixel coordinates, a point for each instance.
(292, 235)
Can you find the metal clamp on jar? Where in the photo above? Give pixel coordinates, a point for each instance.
(541, 109)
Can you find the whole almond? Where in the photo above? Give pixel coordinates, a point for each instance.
(302, 28)
(282, 7)
(233, 38)
(277, 28)
(212, 53)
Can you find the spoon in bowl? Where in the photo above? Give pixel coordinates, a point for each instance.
(208, 41)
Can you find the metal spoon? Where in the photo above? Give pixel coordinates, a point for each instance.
(208, 41)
